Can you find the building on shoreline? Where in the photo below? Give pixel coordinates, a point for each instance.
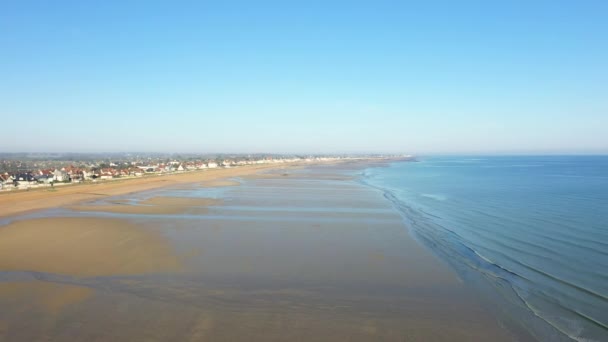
(107, 170)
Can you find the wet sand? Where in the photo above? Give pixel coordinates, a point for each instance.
(312, 256)
(84, 247)
(38, 296)
(181, 201)
(220, 182)
(155, 206)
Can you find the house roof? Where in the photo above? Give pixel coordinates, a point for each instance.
(46, 172)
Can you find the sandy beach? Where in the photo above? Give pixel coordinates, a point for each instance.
(83, 247)
(27, 201)
(299, 254)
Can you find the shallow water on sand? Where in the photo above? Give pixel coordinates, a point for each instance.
(279, 258)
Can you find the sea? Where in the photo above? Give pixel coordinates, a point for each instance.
(530, 232)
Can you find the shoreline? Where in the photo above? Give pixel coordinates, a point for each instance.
(496, 286)
(473, 278)
(27, 201)
(314, 245)
(23, 202)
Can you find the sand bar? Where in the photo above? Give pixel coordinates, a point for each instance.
(219, 183)
(181, 201)
(84, 247)
(155, 206)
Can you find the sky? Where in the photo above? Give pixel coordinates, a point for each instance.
(424, 77)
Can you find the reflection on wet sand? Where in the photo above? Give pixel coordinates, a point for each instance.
(180, 201)
(155, 206)
(39, 296)
(297, 258)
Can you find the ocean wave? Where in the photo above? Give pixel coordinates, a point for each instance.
(460, 240)
(518, 282)
(430, 233)
(511, 166)
(437, 197)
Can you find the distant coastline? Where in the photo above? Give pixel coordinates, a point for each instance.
(26, 200)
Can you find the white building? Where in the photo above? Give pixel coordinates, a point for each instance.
(61, 176)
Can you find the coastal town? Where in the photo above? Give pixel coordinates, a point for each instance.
(24, 173)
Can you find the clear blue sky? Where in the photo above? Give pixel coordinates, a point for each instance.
(305, 76)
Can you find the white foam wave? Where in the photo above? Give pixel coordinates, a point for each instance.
(438, 197)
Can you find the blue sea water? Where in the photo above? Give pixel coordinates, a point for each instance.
(533, 227)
